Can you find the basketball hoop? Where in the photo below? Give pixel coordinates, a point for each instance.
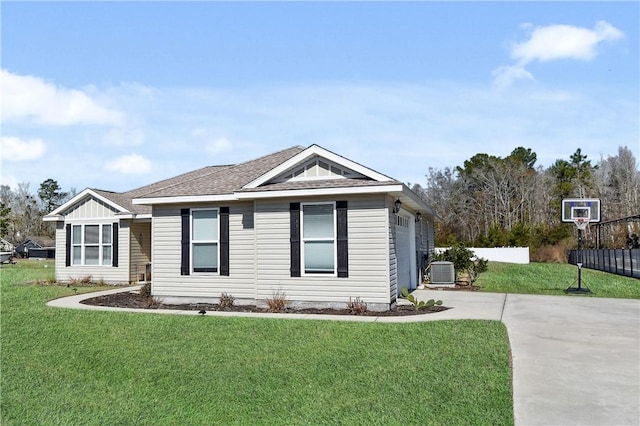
(581, 223)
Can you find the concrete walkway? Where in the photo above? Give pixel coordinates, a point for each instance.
(576, 360)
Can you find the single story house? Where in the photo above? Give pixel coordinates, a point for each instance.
(24, 247)
(305, 222)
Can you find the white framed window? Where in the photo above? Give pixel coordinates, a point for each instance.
(92, 244)
(205, 253)
(318, 230)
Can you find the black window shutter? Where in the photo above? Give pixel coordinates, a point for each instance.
(342, 237)
(114, 245)
(185, 242)
(67, 261)
(294, 214)
(224, 241)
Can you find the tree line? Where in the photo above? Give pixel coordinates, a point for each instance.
(21, 212)
(491, 201)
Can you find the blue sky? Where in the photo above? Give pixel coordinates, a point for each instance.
(116, 95)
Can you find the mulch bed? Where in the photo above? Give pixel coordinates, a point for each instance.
(134, 300)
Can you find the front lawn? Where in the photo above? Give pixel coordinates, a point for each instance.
(554, 279)
(82, 367)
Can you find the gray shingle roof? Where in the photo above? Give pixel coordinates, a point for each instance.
(124, 199)
(228, 180)
(211, 180)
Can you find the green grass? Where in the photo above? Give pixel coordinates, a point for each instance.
(554, 279)
(69, 367)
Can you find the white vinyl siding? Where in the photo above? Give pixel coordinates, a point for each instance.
(166, 237)
(140, 250)
(368, 254)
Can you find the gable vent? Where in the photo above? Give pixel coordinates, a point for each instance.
(442, 273)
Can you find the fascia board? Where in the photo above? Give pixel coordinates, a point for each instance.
(318, 191)
(79, 197)
(184, 199)
(310, 152)
(133, 216)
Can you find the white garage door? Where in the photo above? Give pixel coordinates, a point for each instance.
(403, 253)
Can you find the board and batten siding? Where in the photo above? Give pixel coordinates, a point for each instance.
(367, 247)
(109, 274)
(169, 284)
(87, 209)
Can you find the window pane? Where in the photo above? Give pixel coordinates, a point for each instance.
(91, 255)
(106, 255)
(318, 221)
(205, 225)
(205, 257)
(106, 234)
(77, 255)
(92, 234)
(77, 234)
(318, 256)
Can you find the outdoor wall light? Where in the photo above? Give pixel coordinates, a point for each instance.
(418, 217)
(397, 205)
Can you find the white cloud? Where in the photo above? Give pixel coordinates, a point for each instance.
(554, 42)
(218, 146)
(28, 98)
(564, 42)
(132, 164)
(16, 149)
(505, 76)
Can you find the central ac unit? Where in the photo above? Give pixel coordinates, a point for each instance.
(442, 273)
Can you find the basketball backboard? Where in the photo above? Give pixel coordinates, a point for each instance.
(574, 209)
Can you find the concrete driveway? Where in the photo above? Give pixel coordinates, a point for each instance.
(576, 360)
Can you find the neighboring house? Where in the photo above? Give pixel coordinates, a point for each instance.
(306, 222)
(6, 246)
(23, 248)
(37, 247)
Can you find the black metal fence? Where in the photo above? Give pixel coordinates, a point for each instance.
(616, 261)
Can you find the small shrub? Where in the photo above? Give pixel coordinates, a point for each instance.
(226, 300)
(152, 303)
(145, 290)
(419, 304)
(277, 302)
(357, 306)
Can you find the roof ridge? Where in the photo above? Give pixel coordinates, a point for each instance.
(271, 154)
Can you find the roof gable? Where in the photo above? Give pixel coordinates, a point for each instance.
(286, 171)
(87, 194)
